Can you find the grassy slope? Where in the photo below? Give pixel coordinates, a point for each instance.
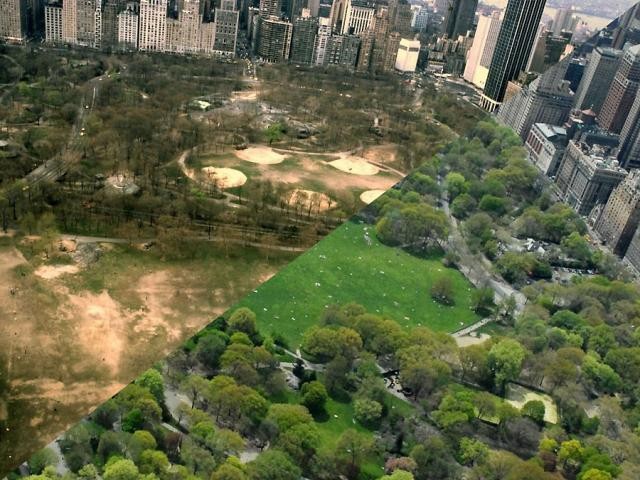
(342, 268)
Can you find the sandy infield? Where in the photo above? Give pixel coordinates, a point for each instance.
(260, 155)
(49, 272)
(371, 196)
(315, 200)
(225, 177)
(355, 166)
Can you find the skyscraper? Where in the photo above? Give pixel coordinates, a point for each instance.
(13, 20)
(564, 21)
(597, 78)
(481, 52)
(303, 39)
(629, 155)
(513, 47)
(459, 18)
(624, 88)
(274, 39)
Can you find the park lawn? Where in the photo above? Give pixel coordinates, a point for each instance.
(343, 268)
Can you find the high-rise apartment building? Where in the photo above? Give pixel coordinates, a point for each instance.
(587, 175)
(153, 25)
(480, 54)
(515, 40)
(14, 20)
(303, 39)
(183, 33)
(619, 219)
(367, 40)
(274, 39)
(622, 93)
(128, 21)
(546, 145)
(407, 58)
(322, 41)
(352, 17)
(270, 8)
(597, 78)
(342, 50)
(460, 17)
(564, 21)
(85, 22)
(420, 19)
(53, 23)
(69, 22)
(226, 28)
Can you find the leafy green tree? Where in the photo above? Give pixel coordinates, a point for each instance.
(121, 469)
(273, 465)
(152, 381)
(301, 443)
(600, 375)
(367, 412)
(351, 449)
(285, 416)
(472, 452)
(463, 206)
(576, 246)
(493, 205)
(398, 475)
(153, 461)
(455, 409)
(505, 361)
(456, 184)
(433, 460)
(314, 396)
(595, 474)
(210, 348)
(482, 300)
(535, 410)
(41, 459)
(229, 470)
(442, 290)
(243, 320)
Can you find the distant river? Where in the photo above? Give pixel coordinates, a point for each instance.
(592, 21)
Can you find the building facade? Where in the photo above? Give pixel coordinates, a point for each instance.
(53, 23)
(14, 20)
(624, 88)
(128, 21)
(587, 175)
(153, 25)
(480, 54)
(629, 154)
(407, 57)
(460, 17)
(303, 39)
(619, 219)
(274, 39)
(513, 47)
(597, 78)
(546, 145)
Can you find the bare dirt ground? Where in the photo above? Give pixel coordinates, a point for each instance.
(355, 166)
(260, 155)
(64, 348)
(311, 200)
(371, 196)
(225, 177)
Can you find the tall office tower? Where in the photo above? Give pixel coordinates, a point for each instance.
(481, 52)
(152, 31)
(226, 28)
(183, 33)
(352, 17)
(53, 23)
(513, 47)
(575, 71)
(629, 154)
(342, 50)
(624, 88)
(274, 39)
(367, 39)
(564, 21)
(627, 22)
(13, 20)
(270, 8)
(69, 21)
(460, 17)
(539, 102)
(597, 79)
(408, 53)
(619, 219)
(322, 40)
(85, 22)
(420, 19)
(128, 21)
(110, 11)
(303, 39)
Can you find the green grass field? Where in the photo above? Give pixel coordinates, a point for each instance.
(344, 268)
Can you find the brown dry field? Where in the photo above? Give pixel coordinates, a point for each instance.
(69, 341)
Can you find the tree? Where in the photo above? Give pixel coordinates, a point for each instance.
(535, 410)
(367, 412)
(273, 465)
(456, 184)
(601, 376)
(229, 470)
(152, 381)
(153, 461)
(243, 320)
(442, 291)
(41, 459)
(285, 416)
(301, 443)
(433, 460)
(505, 361)
(595, 474)
(398, 475)
(455, 409)
(570, 455)
(482, 300)
(314, 396)
(351, 449)
(462, 206)
(121, 469)
(210, 348)
(472, 452)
